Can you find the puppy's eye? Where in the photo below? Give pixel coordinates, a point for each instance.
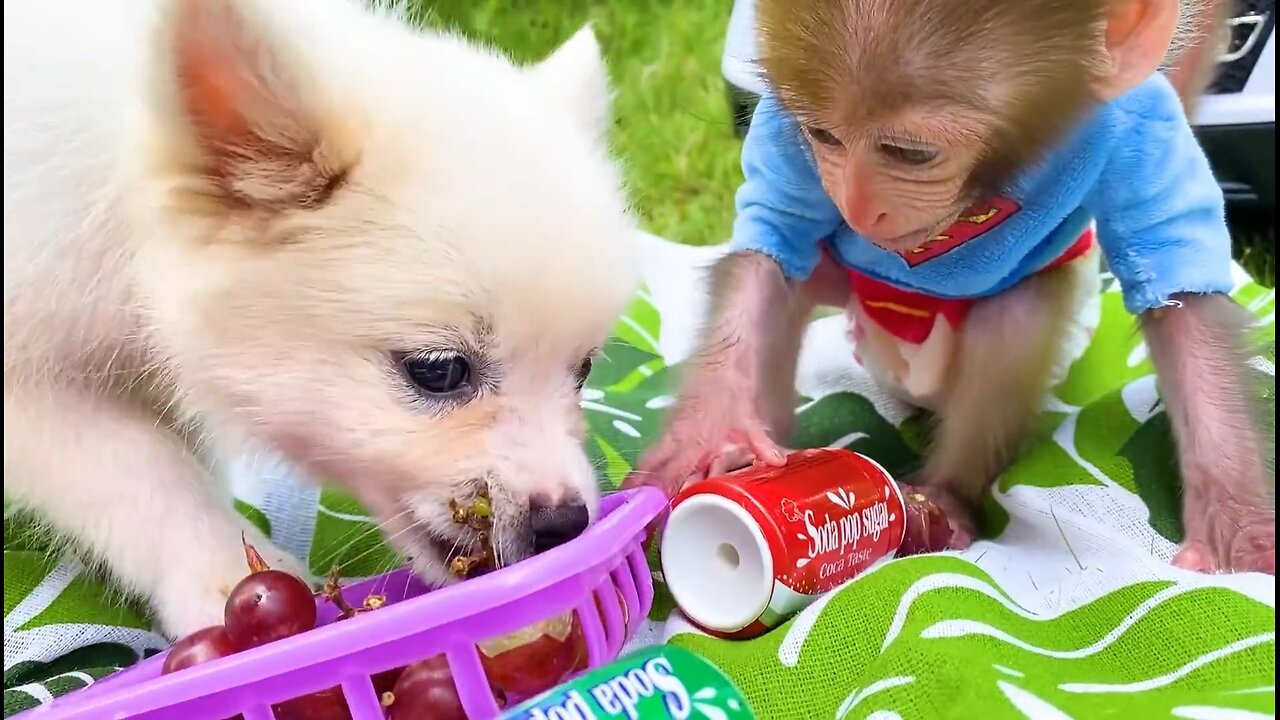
(584, 370)
(908, 155)
(823, 137)
(443, 374)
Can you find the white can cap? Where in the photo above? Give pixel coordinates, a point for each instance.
(716, 563)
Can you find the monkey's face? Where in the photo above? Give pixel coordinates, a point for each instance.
(916, 109)
(900, 184)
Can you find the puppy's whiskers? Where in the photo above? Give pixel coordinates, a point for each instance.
(380, 546)
(496, 543)
(359, 533)
(351, 537)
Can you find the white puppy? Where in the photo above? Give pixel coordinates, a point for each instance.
(301, 223)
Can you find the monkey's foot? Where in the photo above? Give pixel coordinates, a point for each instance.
(1230, 523)
(1244, 548)
(960, 514)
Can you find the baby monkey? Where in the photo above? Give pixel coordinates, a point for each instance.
(939, 169)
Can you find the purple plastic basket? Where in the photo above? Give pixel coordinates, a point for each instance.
(588, 575)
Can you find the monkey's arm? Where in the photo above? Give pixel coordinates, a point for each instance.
(1161, 223)
(737, 394)
(782, 210)
(1227, 461)
(1160, 212)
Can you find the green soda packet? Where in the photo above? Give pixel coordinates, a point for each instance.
(655, 683)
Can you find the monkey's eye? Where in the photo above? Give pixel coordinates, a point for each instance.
(908, 155)
(583, 371)
(438, 373)
(823, 137)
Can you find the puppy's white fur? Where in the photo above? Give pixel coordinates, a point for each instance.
(225, 219)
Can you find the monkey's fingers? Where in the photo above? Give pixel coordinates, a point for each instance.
(763, 447)
(1227, 530)
(961, 539)
(731, 457)
(676, 458)
(1253, 546)
(744, 446)
(1251, 551)
(655, 470)
(1196, 557)
(1261, 561)
(1248, 549)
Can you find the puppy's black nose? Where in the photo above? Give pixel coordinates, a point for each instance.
(555, 525)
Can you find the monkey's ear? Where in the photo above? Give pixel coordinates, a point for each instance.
(243, 130)
(577, 75)
(1137, 38)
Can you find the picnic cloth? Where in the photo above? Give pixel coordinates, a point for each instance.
(1067, 609)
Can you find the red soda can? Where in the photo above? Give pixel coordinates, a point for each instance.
(743, 552)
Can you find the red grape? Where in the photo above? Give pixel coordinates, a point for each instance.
(267, 606)
(200, 646)
(327, 704)
(426, 690)
(926, 527)
(536, 658)
(622, 608)
(385, 681)
(626, 612)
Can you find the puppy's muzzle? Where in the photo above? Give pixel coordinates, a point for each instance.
(555, 524)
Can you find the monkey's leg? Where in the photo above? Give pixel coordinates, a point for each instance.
(1225, 452)
(1005, 356)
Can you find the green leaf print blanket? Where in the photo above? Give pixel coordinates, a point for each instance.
(1067, 609)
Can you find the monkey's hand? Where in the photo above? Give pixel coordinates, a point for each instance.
(743, 372)
(714, 429)
(1227, 460)
(1230, 526)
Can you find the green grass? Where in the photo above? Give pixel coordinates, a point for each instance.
(672, 125)
(1254, 232)
(673, 130)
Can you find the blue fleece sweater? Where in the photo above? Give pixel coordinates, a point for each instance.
(1134, 166)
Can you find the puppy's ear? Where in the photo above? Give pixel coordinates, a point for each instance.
(576, 74)
(254, 134)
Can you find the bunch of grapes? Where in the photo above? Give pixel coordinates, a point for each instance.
(269, 605)
(477, 515)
